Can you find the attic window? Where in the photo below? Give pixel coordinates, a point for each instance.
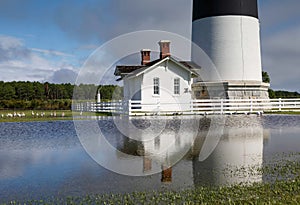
(156, 86)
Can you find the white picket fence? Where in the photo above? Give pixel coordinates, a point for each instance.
(209, 106)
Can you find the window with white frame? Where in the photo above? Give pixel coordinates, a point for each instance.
(176, 86)
(156, 86)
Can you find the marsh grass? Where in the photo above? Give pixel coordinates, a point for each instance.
(280, 192)
(285, 189)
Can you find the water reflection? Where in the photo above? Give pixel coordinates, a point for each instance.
(41, 159)
(237, 157)
(238, 145)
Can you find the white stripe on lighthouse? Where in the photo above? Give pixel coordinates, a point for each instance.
(233, 44)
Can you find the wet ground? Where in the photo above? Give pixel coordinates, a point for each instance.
(48, 159)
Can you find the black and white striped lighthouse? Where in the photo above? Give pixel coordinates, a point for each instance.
(229, 33)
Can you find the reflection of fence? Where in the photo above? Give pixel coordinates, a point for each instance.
(209, 106)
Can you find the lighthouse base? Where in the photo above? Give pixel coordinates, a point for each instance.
(231, 90)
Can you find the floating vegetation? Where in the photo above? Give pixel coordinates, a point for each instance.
(285, 166)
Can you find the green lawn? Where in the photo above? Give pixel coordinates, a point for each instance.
(283, 112)
(47, 115)
(43, 115)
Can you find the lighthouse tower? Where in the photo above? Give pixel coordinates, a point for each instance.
(228, 31)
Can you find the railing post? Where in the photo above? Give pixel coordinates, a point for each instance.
(251, 105)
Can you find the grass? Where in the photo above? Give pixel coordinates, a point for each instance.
(68, 115)
(283, 191)
(283, 112)
(48, 115)
(280, 192)
(29, 117)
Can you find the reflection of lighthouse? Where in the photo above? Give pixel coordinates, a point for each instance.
(237, 157)
(228, 32)
(239, 145)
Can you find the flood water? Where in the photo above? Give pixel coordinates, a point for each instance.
(48, 159)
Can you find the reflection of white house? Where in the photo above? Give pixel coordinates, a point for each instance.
(236, 150)
(164, 81)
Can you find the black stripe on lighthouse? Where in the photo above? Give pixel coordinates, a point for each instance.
(209, 8)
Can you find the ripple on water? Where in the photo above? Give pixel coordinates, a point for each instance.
(29, 135)
(45, 157)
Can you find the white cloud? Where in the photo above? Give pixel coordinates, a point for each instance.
(63, 76)
(19, 63)
(12, 48)
(101, 21)
(8, 42)
(52, 52)
(279, 25)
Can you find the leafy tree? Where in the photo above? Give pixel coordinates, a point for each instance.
(272, 94)
(7, 91)
(36, 95)
(286, 94)
(265, 77)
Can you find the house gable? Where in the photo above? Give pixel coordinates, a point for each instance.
(167, 73)
(162, 62)
(164, 81)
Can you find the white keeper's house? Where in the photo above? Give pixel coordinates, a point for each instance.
(165, 82)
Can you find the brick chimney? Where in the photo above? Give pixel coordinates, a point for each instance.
(145, 56)
(164, 48)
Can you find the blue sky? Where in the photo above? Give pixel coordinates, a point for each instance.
(50, 40)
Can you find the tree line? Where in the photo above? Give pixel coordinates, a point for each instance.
(49, 96)
(36, 95)
(283, 94)
(278, 93)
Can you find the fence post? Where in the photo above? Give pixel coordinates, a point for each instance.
(192, 106)
(129, 107)
(222, 106)
(279, 104)
(158, 106)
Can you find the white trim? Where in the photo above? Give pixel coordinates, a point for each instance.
(144, 70)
